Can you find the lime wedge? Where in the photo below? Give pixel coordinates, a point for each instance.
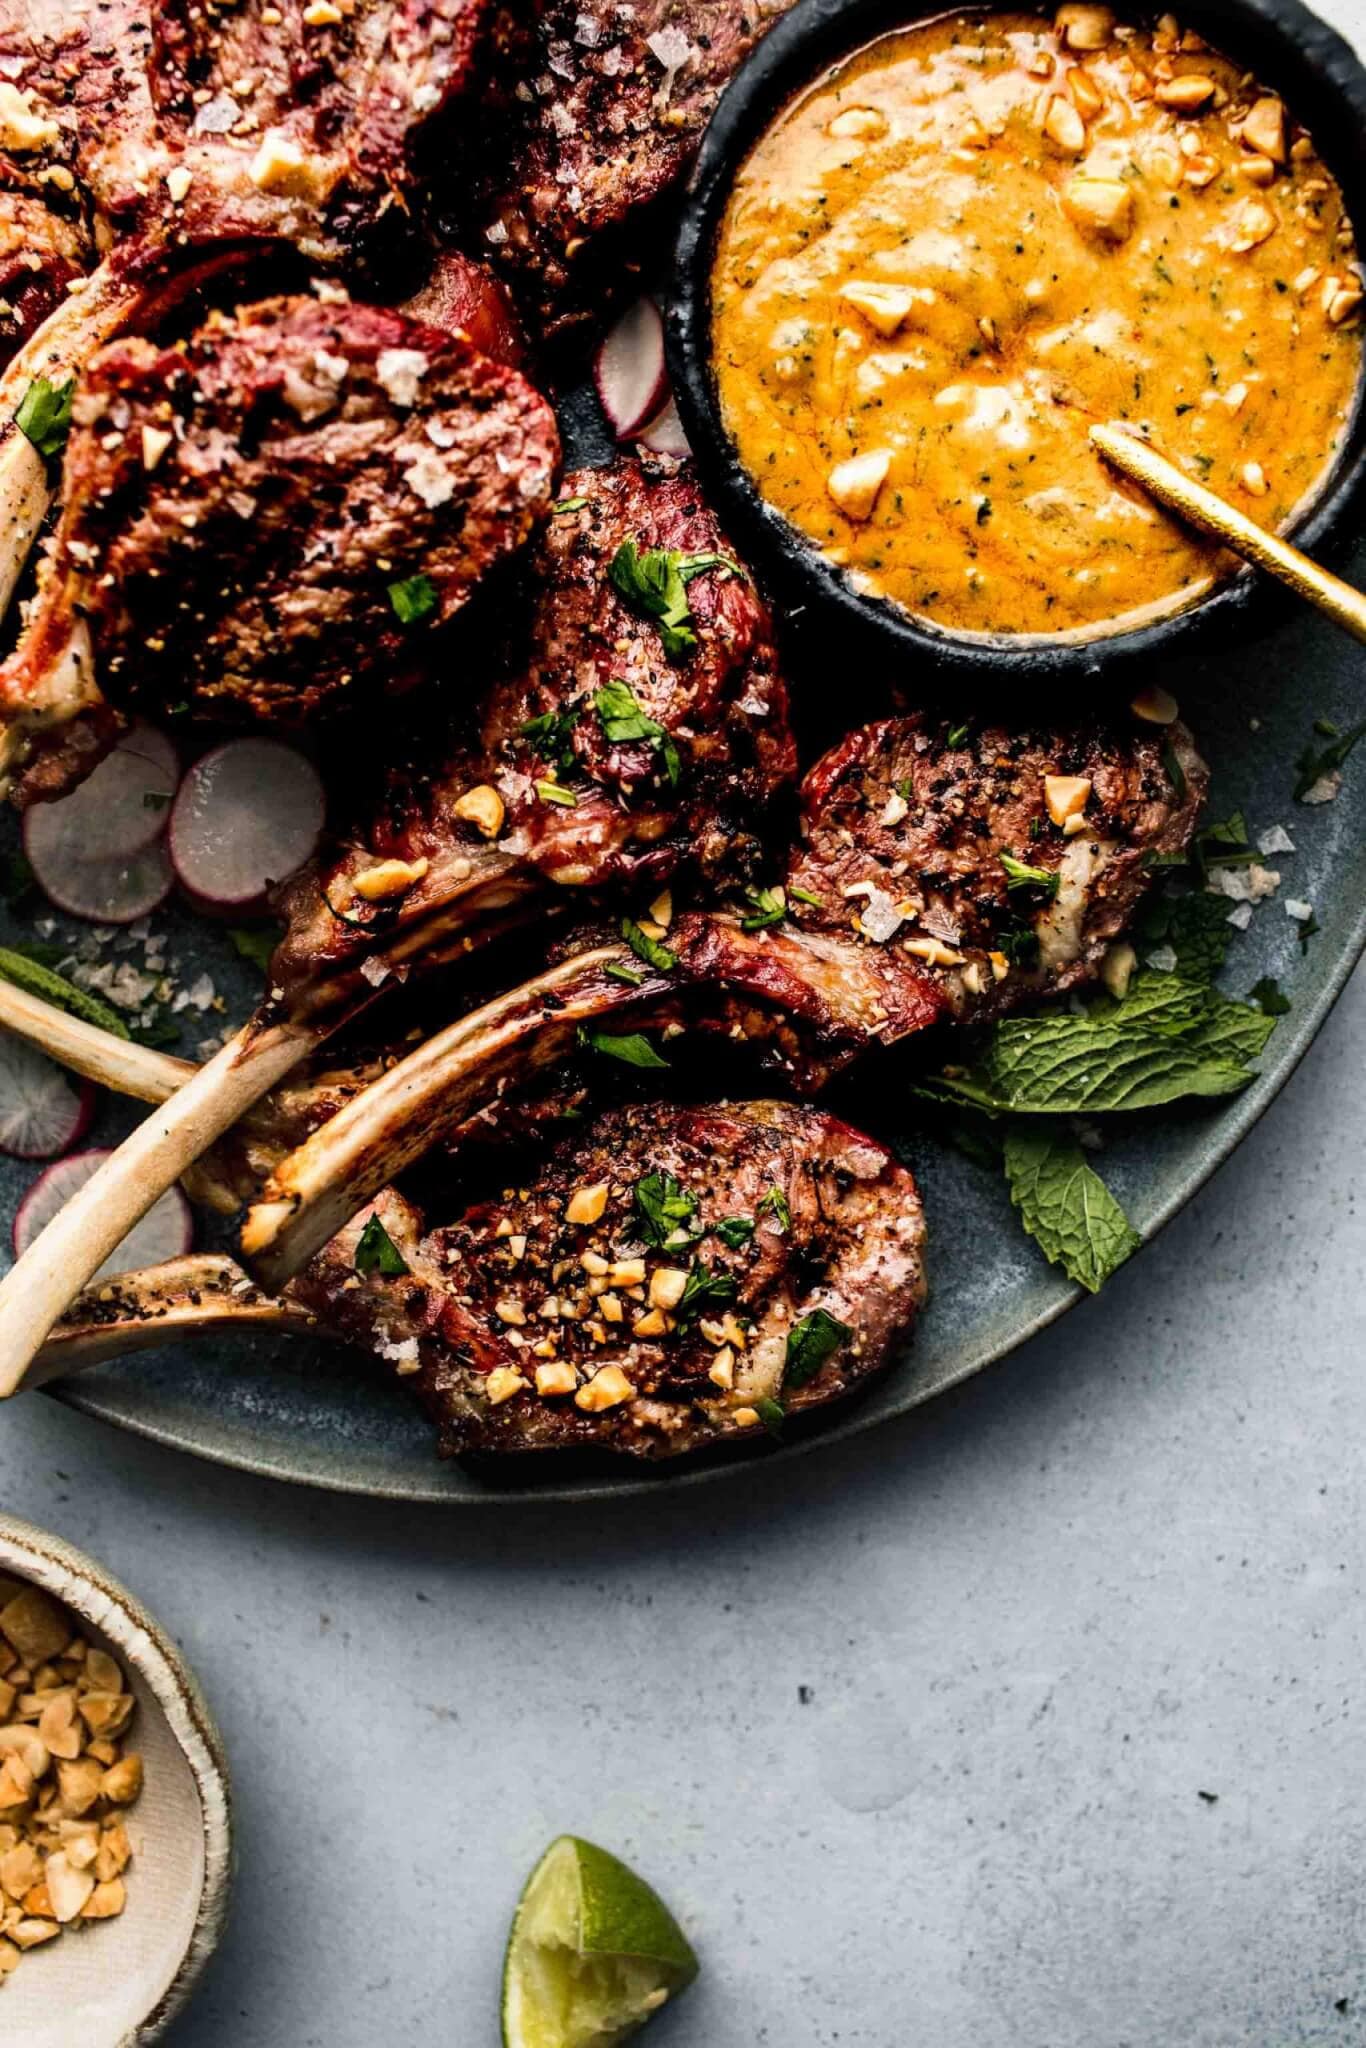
(592, 1952)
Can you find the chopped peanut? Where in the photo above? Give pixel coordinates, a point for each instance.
(558, 1378)
(667, 1286)
(1102, 205)
(1156, 705)
(651, 1324)
(34, 1625)
(586, 1205)
(389, 878)
(721, 1372)
(502, 1383)
(1064, 127)
(107, 1900)
(1255, 222)
(608, 1388)
(935, 953)
(884, 306)
(122, 1782)
(1116, 969)
(1066, 795)
(1263, 128)
(1252, 477)
(1084, 27)
(483, 808)
(1186, 94)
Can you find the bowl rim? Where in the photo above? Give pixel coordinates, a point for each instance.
(84, 1585)
(1281, 39)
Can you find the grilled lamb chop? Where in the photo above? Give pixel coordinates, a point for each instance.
(668, 1275)
(609, 106)
(850, 969)
(238, 511)
(721, 712)
(556, 792)
(466, 299)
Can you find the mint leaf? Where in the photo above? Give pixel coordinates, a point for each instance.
(257, 942)
(1019, 875)
(771, 1413)
(1165, 1041)
(1065, 1205)
(775, 1202)
(632, 1048)
(18, 966)
(552, 736)
(705, 1290)
(376, 1252)
(734, 1231)
(1197, 929)
(44, 415)
(1314, 763)
(809, 1343)
(665, 1208)
(654, 582)
(623, 721)
(413, 599)
(647, 949)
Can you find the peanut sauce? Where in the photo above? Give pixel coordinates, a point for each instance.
(973, 238)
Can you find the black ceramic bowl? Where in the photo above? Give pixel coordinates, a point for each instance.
(1289, 48)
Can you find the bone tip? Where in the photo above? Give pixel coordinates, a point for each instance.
(264, 1222)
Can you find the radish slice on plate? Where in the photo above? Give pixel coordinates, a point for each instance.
(629, 370)
(665, 435)
(247, 815)
(117, 811)
(165, 1232)
(41, 1112)
(116, 891)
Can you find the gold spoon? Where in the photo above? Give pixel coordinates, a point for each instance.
(1203, 508)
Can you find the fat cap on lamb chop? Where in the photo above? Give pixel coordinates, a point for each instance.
(636, 819)
(237, 512)
(667, 1276)
(969, 833)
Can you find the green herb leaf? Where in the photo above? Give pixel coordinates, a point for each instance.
(810, 1343)
(569, 505)
(805, 896)
(413, 599)
(18, 965)
(376, 1252)
(770, 907)
(1314, 763)
(1165, 1041)
(955, 738)
(1197, 929)
(623, 721)
(1019, 875)
(1065, 1205)
(775, 1203)
(665, 1208)
(633, 1048)
(257, 942)
(734, 1231)
(632, 976)
(654, 582)
(771, 1413)
(1267, 994)
(44, 415)
(556, 793)
(647, 949)
(552, 736)
(1226, 845)
(705, 1290)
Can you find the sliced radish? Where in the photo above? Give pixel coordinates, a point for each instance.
(629, 370)
(41, 1112)
(165, 1232)
(107, 891)
(116, 812)
(665, 435)
(247, 815)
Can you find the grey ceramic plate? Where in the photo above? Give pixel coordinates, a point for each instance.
(303, 1412)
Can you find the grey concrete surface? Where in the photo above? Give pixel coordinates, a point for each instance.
(1033, 1722)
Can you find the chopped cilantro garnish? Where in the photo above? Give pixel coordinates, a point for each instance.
(624, 721)
(1269, 997)
(647, 949)
(413, 599)
(629, 975)
(376, 1252)
(734, 1231)
(771, 1413)
(705, 1290)
(556, 793)
(256, 942)
(955, 738)
(1020, 946)
(1019, 875)
(665, 1208)
(633, 1048)
(805, 896)
(775, 1202)
(770, 907)
(44, 415)
(654, 582)
(1314, 763)
(569, 505)
(810, 1343)
(552, 736)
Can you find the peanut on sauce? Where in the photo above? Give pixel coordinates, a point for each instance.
(953, 252)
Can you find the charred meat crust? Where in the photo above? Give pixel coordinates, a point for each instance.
(180, 122)
(504, 1290)
(605, 105)
(921, 813)
(236, 510)
(465, 299)
(724, 709)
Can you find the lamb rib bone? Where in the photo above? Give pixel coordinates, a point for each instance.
(159, 1305)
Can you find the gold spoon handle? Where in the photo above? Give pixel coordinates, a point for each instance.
(1203, 508)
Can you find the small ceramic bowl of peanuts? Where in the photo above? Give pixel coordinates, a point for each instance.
(115, 1812)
